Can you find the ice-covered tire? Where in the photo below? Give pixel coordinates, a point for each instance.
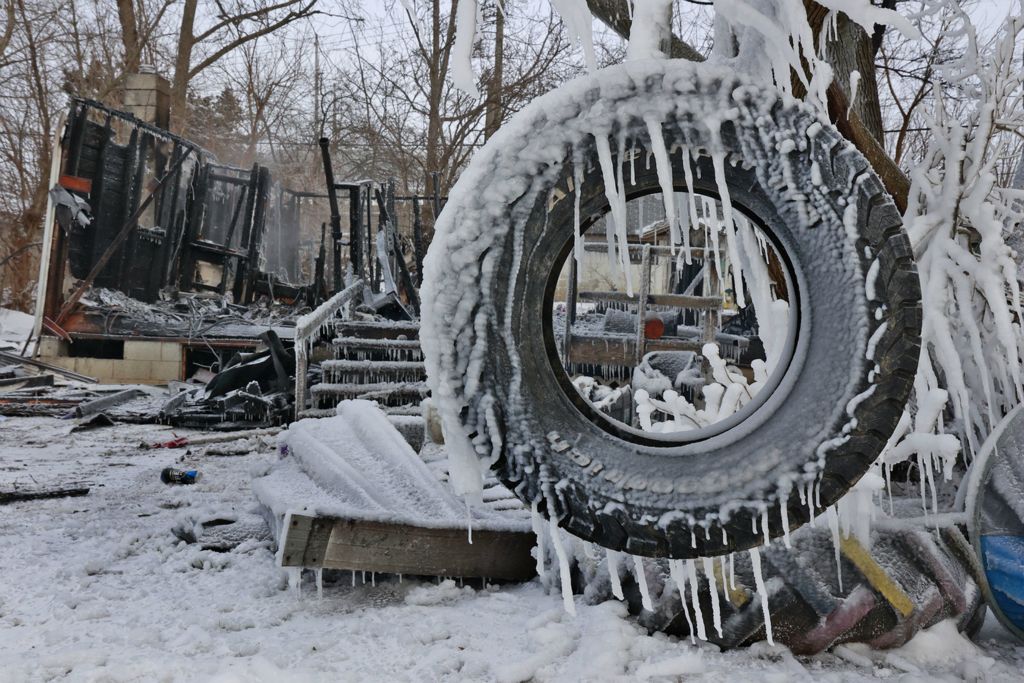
(490, 275)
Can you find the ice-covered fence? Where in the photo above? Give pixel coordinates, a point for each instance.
(308, 327)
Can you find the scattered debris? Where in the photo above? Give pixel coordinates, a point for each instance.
(100, 404)
(65, 491)
(170, 475)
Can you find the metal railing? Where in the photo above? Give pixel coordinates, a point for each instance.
(308, 327)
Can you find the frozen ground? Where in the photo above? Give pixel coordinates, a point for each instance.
(100, 588)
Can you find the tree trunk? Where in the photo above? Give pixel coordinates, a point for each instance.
(129, 35)
(182, 66)
(492, 118)
(615, 14)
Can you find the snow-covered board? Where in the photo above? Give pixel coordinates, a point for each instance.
(350, 493)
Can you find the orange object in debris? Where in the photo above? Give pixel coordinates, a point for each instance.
(76, 184)
(654, 327)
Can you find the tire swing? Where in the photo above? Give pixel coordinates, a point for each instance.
(514, 218)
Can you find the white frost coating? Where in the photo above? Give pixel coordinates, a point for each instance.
(641, 581)
(580, 24)
(613, 573)
(970, 291)
(774, 41)
(716, 609)
(675, 568)
(762, 593)
(650, 29)
(698, 616)
(462, 51)
(564, 574)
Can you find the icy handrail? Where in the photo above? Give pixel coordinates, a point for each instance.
(308, 325)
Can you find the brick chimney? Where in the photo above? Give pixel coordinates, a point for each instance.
(147, 95)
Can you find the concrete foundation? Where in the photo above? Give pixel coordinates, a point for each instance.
(142, 362)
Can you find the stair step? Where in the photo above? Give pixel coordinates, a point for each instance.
(359, 349)
(386, 393)
(402, 411)
(372, 372)
(378, 329)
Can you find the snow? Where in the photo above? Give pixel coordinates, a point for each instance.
(649, 30)
(101, 589)
(15, 327)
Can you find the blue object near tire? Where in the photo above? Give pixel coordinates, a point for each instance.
(995, 513)
(1003, 560)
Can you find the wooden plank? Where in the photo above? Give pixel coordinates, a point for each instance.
(700, 303)
(361, 545)
(17, 496)
(621, 350)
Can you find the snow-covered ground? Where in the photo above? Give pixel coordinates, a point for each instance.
(15, 327)
(100, 588)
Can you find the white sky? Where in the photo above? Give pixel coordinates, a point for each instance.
(989, 15)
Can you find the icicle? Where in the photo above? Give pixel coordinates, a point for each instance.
(675, 569)
(718, 160)
(664, 169)
(641, 580)
(888, 483)
(373, 579)
(833, 526)
(295, 580)
(469, 521)
(353, 578)
(538, 531)
(577, 181)
(698, 616)
(613, 573)
(810, 502)
(762, 592)
(632, 167)
(319, 583)
(784, 511)
(732, 571)
(563, 566)
(764, 525)
(617, 201)
(716, 609)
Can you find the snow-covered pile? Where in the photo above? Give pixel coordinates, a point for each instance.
(357, 465)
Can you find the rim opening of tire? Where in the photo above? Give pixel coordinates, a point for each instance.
(641, 366)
